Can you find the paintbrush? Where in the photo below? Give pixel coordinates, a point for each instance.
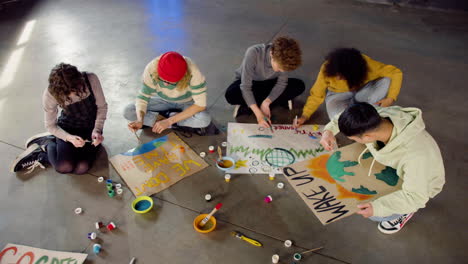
(220, 153)
(269, 123)
(219, 162)
(205, 220)
(311, 250)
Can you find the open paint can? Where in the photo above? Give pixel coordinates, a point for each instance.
(208, 227)
(226, 163)
(142, 204)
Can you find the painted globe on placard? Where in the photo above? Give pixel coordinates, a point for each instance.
(279, 157)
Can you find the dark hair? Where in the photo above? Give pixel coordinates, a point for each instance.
(358, 119)
(287, 53)
(63, 80)
(348, 63)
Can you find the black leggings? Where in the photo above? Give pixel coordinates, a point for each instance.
(261, 90)
(66, 158)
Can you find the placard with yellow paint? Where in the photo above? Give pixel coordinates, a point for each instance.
(156, 165)
(333, 184)
(259, 150)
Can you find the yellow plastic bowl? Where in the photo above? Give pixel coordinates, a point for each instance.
(142, 204)
(211, 224)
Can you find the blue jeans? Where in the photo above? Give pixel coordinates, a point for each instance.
(157, 104)
(384, 219)
(371, 93)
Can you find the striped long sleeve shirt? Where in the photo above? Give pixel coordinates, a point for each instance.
(152, 85)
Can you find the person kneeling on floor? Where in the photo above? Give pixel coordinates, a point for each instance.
(73, 139)
(396, 137)
(174, 87)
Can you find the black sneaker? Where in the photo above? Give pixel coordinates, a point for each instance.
(41, 139)
(210, 130)
(243, 110)
(30, 159)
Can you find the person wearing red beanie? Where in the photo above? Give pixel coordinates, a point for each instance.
(174, 87)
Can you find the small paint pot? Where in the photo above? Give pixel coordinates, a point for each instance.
(211, 149)
(268, 199)
(224, 144)
(272, 176)
(111, 226)
(96, 248)
(142, 204)
(119, 191)
(99, 225)
(78, 211)
(92, 235)
(118, 185)
(208, 197)
(202, 154)
(275, 258)
(297, 256)
(227, 177)
(280, 185)
(208, 227)
(109, 186)
(109, 181)
(288, 243)
(228, 162)
(111, 193)
(100, 179)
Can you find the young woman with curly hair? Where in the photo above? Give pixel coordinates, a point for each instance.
(349, 76)
(262, 79)
(174, 87)
(72, 140)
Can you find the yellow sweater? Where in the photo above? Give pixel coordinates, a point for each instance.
(375, 70)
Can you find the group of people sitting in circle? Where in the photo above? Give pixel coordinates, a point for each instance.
(358, 92)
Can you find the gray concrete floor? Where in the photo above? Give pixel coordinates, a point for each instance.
(115, 39)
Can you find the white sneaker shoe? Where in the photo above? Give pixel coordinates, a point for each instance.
(393, 226)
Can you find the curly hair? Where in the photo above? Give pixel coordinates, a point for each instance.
(287, 53)
(63, 80)
(349, 64)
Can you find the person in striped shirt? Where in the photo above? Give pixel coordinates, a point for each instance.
(172, 86)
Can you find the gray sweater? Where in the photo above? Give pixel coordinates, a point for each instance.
(256, 66)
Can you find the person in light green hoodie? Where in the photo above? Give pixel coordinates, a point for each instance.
(396, 137)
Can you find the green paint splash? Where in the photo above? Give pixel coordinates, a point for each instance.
(367, 155)
(335, 167)
(363, 190)
(388, 175)
(262, 152)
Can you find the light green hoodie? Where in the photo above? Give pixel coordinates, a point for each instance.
(415, 156)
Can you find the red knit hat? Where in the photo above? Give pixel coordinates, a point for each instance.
(172, 66)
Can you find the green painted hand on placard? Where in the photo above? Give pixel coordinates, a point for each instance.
(336, 168)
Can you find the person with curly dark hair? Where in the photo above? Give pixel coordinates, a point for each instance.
(349, 76)
(261, 80)
(72, 140)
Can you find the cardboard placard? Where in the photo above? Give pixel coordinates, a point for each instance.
(156, 165)
(258, 150)
(333, 184)
(13, 253)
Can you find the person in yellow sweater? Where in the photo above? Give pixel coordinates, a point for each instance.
(348, 76)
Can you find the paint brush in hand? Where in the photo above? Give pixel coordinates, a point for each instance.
(205, 220)
(269, 123)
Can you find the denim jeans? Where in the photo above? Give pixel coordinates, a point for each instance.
(157, 104)
(384, 219)
(371, 93)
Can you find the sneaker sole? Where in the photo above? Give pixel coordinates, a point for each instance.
(35, 137)
(28, 151)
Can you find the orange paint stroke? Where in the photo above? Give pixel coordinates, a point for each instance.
(318, 165)
(343, 194)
